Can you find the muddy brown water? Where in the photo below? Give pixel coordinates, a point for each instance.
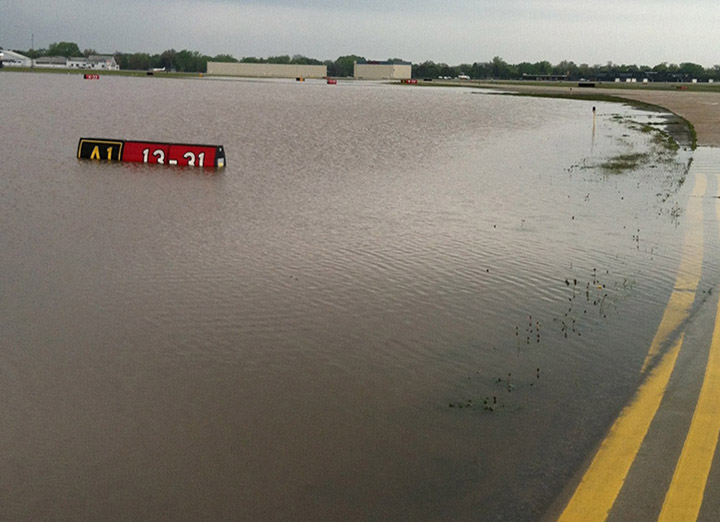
(392, 304)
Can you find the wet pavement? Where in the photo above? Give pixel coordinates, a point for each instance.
(657, 461)
(702, 109)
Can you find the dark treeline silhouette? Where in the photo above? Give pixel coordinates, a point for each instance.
(500, 69)
(497, 68)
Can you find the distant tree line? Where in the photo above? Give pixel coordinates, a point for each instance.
(500, 69)
(193, 61)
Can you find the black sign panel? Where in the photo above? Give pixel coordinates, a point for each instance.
(99, 149)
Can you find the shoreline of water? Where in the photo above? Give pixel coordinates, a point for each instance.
(687, 109)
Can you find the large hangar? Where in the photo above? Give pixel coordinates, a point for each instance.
(266, 70)
(371, 70)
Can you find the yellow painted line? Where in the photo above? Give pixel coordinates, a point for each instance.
(677, 310)
(596, 494)
(688, 277)
(601, 484)
(685, 496)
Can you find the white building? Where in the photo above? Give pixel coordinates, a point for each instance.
(51, 62)
(102, 63)
(77, 63)
(13, 59)
(266, 70)
(106, 63)
(382, 71)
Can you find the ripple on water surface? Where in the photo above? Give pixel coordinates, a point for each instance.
(294, 327)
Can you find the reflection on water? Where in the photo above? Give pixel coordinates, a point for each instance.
(284, 340)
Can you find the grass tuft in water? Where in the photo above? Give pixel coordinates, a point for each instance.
(624, 162)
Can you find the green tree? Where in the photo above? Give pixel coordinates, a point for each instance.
(544, 67)
(466, 69)
(345, 65)
(299, 59)
(567, 67)
(481, 70)
(692, 71)
(224, 58)
(167, 59)
(122, 60)
(331, 71)
(283, 59)
(183, 60)
(673, 73)
(139, 62)
(157, 62)
(446, 70)
(585, 71)
(427, 69)
(190, 61)
(660, 72)
(714, 73)
(527, 68)
(500, 68)
(66, 49)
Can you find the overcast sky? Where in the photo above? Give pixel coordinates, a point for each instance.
(641, 32)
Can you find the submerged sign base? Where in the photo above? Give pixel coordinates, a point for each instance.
(187, 155)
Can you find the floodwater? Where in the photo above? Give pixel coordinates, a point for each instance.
(394, 303)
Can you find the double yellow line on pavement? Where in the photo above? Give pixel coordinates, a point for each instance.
(601, 484)
(685, 495)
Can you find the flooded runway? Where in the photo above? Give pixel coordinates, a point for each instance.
(392, 303)
(656, 461)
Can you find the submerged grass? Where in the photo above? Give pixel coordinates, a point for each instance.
(624, 162)
(663, 149)
(661, 139)
(693, 134)
(663, 146)
(664, 140)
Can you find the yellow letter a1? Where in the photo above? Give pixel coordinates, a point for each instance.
(95, 153)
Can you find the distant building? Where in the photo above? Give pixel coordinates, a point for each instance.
(13, 59)
(51, 62)
(94, 62)
(266, 70)
(626, 77)
(77, 63)
(372, 70)
(103, 63)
